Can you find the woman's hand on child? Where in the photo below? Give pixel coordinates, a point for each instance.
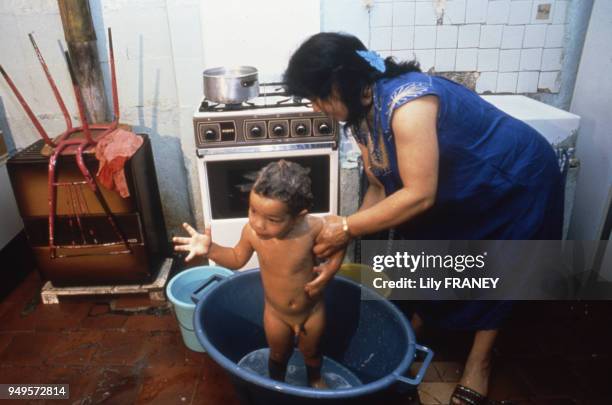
(332, 237)
(196, 244)
(325, 272)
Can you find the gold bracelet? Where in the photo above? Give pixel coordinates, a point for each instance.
(345, 227)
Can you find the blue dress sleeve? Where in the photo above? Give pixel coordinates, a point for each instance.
(398, 94)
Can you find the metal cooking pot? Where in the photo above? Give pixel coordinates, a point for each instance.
(231, 85)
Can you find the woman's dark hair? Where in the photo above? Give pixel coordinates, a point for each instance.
(329, 60)
(287, 182)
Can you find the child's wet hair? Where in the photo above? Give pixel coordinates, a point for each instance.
(287, 182)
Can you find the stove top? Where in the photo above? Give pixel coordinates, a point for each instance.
(273, 117)
(272, 96)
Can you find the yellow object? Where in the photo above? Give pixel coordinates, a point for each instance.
(364, 275)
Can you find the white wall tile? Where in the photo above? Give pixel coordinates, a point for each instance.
(466, 60)
(425, 14)
(506, 82)
(542, 5)
(403, 13)
(445, 60)
(454, 12)
(488, 59)
(476, 11)
(560, 12)
(531, 59)
(424, 37)
(527, 82)
(554, 36)
(534, 36)
(509, 60)
(342, 15)
(552, 59)
(520, 12)
(404, 55)
(426, 58)
(498, 12)
(512, 37)
(403, 38)
(446, 36)
(549, 81)
(469, 36)
(486, 82)
(491, 36)
(381, 15)
(381, 38)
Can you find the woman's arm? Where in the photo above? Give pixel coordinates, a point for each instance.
(416, 142)
(375, 191)
(414, 128)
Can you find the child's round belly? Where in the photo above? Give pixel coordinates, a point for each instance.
(290, 301)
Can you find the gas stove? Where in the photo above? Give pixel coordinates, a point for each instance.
(272, 118)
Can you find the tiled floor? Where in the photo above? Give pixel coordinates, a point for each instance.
(129, 351)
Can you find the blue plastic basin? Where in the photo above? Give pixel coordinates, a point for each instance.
(371, 338)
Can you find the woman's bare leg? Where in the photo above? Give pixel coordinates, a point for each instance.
(417, 324)
(478, 365)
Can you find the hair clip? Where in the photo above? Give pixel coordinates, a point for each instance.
(373, 60)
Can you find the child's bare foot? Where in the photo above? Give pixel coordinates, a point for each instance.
(318, 383)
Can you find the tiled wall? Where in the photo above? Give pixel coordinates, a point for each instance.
(515, 46)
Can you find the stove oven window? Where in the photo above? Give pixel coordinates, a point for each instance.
(230, 183)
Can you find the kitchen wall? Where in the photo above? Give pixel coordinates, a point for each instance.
(162, 46)
(501, 46)
(156, 66)
(592, 101)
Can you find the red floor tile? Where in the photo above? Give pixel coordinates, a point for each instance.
(75, 348)
(5, 340)
(100, 317)
(168, 349)
(135, 302)
(152, 323)
(168, 385)
(214, 386)
(19, 374)
(121, 348)
(31, 349)
(116, 385)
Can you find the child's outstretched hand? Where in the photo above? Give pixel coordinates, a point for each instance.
(196, 244)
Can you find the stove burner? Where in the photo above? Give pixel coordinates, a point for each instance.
(260, 101)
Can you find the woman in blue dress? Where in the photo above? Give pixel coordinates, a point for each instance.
(441, 163)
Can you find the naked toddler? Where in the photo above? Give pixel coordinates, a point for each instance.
(283, 234)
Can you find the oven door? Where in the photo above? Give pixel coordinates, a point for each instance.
(227, 175)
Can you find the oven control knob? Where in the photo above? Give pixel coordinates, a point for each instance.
(300, 129)
(278, 130)
(325, 129)
(256, 131)
(210, 135)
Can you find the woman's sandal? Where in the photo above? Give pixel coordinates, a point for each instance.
(468, 396)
